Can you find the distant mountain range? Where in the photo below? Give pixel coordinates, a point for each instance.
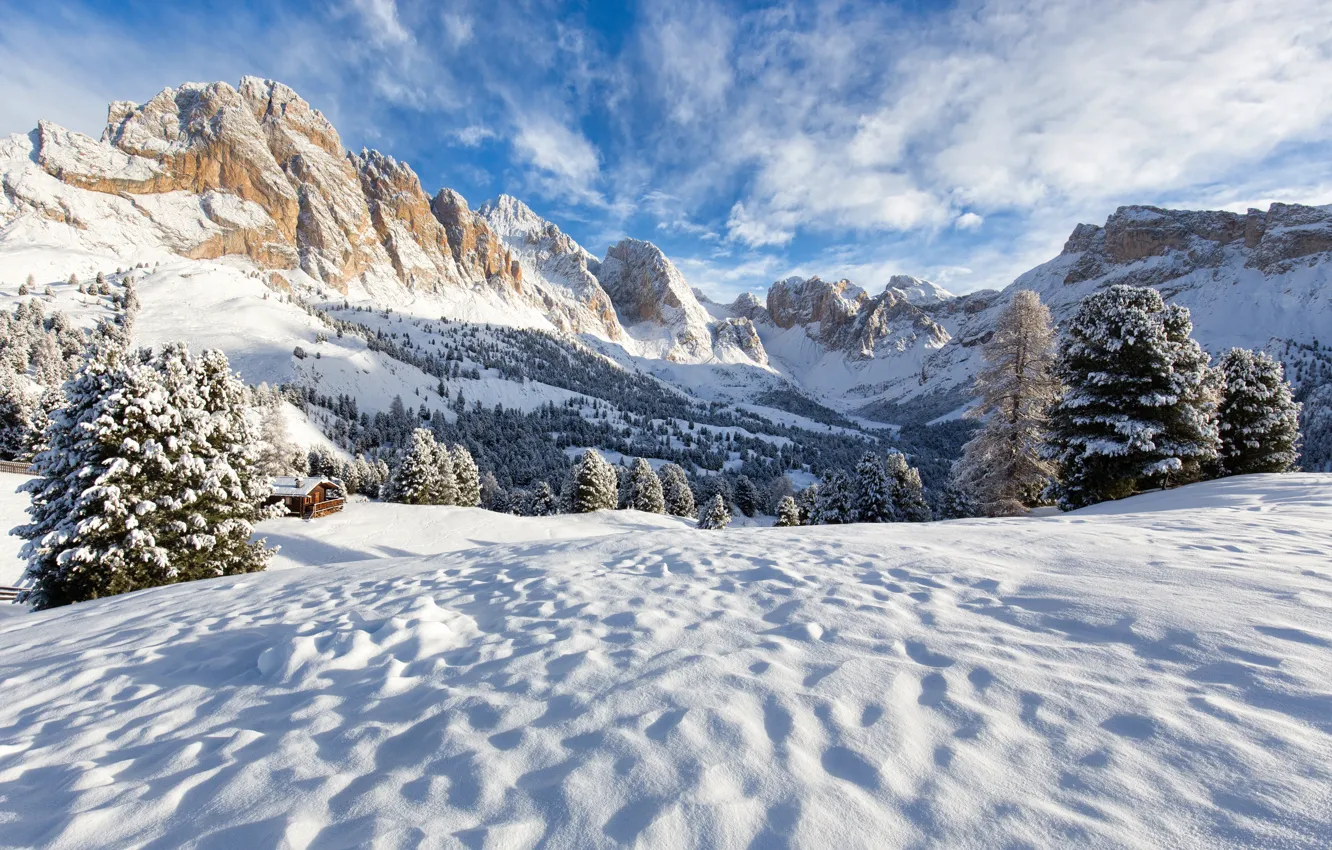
(253, 180)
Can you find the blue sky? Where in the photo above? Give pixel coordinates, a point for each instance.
(955, 141)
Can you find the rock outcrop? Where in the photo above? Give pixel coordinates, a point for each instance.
(646, 287)
(841, 316)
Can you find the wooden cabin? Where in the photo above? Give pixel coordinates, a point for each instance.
(309, 497)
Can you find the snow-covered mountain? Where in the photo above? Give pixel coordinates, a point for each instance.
(252, 184)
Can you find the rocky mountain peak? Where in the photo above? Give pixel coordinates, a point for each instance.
(918, 290)
(645, 286)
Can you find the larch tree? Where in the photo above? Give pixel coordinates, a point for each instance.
(1003, 466)
(645, 491)
(1259, 420)
(1139, 410)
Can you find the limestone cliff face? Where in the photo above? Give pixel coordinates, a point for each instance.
(843, 317)
(557, 266)
(1188, 240)
(826, 309)
(646, 287)
(416, 242)
(479, 252)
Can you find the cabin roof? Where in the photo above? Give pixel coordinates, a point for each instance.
(290, 485)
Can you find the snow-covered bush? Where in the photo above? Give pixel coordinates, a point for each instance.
(1140, 406)
(1259, 421)
(715, 515)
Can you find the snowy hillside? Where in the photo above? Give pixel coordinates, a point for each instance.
(1151, 675)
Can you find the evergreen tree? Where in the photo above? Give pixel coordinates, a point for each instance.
(675, 490)
(645, 491)
(909, 503)
(1259, 421)
(414, 481)
(16, 415)
(594, 484)
(1003, 465)
(322, 461)
(444, 486)
(874, 489)
(544, 501)
(1140, 408)
(787, 512)
(467, 477)
(835, 501)
(275, 446)
(715, 514)
(492, 494)
(957, 503)
(147, 479)
(807, 501)
(746, 495)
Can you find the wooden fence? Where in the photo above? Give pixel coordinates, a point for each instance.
(318, 509)
(9, 594)
(18, 466)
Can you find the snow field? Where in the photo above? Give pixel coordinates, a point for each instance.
(13, 512)
(1133, 679)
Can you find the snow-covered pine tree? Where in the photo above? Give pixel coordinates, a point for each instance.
(787, 512)
(807, 500)
(909, 504)
(544, 500)
(322, 461)
(466, 477)
(595, 486)
(146, 479)
(873, 490)
(492, 494)
(414, 480)
(275, 446)
(1003, 466)
(1139, 409)
(675, 490)
(835, 501)
(645, 492)
(1316, 426)
(715, 515)
(746, 495)
(16, 415)
(444, 486)
(219, 491)
(1259, 420)
(957, 503)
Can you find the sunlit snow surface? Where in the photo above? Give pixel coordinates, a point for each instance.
(1154, 673)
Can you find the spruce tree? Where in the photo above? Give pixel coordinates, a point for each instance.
(594, 484)
(807, 500)
(746, 496)
(873, 491)
(678, 497)
(444, 486)
(1259, 421)
(147, 479)
(1139, 409)
(414, 481)
(909, 504)
(835, 501)
(787, 512)
(466, 477)
(544, 501)
(1003, 466)
(715, 515)
(16, 415)
(645, 491)
(957, 503)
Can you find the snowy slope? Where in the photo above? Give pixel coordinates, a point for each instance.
(1156, 678)
(13, 513)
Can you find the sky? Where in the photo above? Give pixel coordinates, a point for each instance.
(956, 141)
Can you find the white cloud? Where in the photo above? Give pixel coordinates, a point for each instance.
(968, 221)
(473, 135)
(569, 161)
(381, 17)
(741, 227)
